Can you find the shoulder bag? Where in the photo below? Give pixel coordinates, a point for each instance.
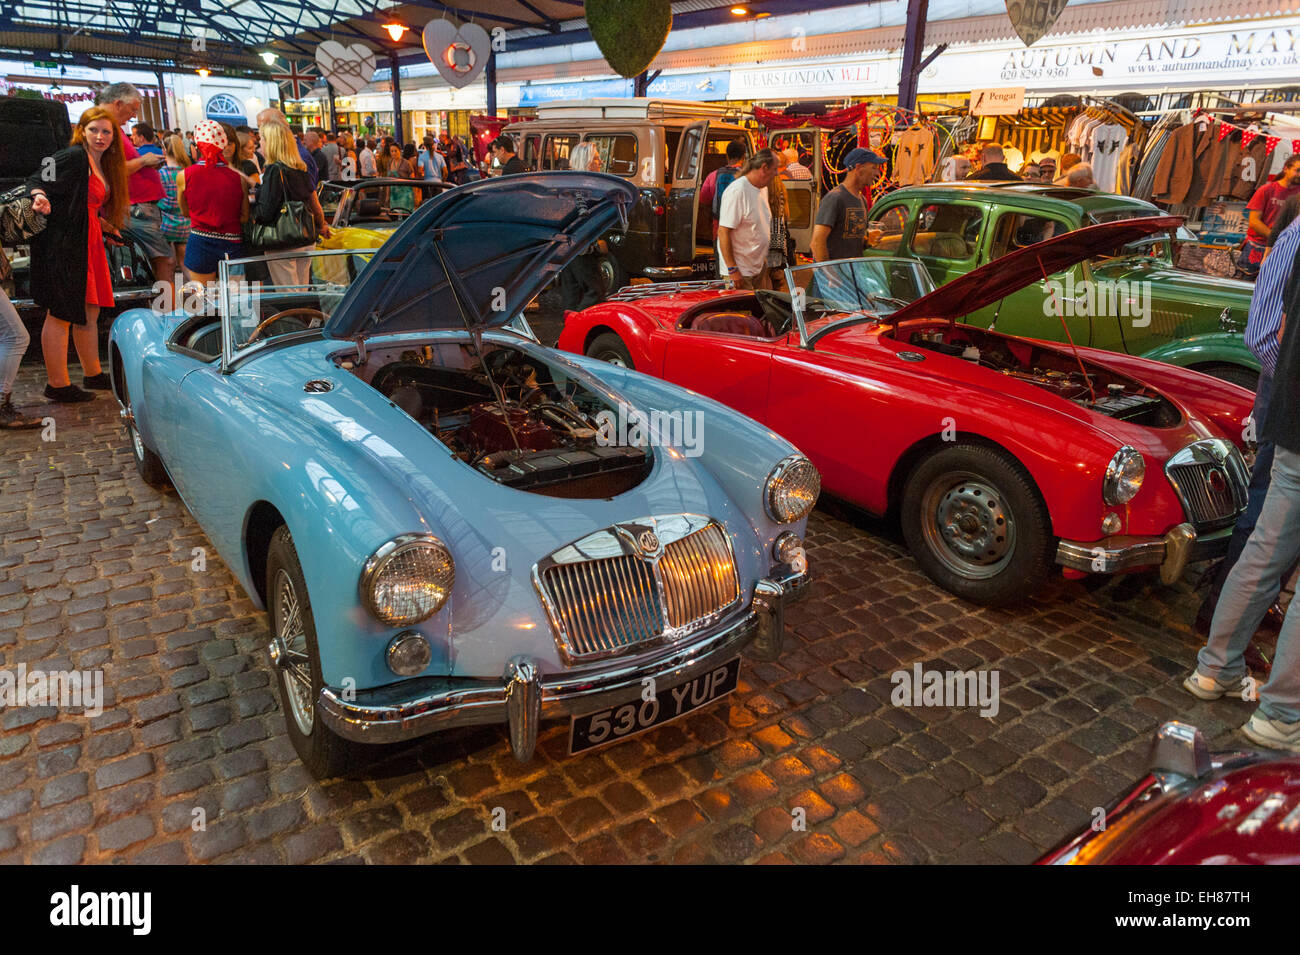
(293, 226)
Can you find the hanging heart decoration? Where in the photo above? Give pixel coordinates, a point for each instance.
(346, 68)
(1248, 136)
(1270, 143)
(458, 51)
(629, 33)
(1033, 18)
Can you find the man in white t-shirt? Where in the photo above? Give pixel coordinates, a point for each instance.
(745, 223)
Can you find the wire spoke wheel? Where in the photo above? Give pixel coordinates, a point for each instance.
(296, 672)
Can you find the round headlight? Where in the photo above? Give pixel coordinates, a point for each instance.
(791, 489)
(408, 579)
(1124, 476)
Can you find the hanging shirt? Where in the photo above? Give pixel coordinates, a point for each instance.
(1107, 143)
(914, 158)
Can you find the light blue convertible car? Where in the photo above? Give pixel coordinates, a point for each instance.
(448, 523)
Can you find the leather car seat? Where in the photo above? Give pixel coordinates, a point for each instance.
(731, 323)
(368, 208)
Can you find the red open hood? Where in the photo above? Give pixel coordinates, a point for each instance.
(1016, 270)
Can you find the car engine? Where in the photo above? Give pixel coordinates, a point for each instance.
(1090, 385)
(512, 418)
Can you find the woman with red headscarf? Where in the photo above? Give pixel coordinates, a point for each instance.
(213, 195)
(84, 197)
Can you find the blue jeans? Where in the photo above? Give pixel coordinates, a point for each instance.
(13, 343)
(1252, 586)
(1256, 491)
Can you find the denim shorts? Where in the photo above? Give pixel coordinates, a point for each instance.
(145, 226)
(203, 252)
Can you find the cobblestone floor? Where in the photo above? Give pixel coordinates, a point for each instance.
(95, 572)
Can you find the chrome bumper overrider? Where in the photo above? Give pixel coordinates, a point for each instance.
(1171, 553)
(523, 697)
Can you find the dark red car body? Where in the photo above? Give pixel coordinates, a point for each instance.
(868, 404)
(1235, 808)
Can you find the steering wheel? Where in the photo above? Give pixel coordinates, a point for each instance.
(315, 317)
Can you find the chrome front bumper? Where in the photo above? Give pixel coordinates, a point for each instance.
(1172, 553)
(523, 697)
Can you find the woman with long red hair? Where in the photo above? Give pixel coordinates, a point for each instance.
(83, 193)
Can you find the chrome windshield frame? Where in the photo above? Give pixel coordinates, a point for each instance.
(798, 298)
(228, 351)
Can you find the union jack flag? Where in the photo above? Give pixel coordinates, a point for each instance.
(302, 76)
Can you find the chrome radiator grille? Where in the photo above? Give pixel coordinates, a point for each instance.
(1210, 479)
(637, 583)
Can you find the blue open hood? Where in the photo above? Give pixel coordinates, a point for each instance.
(475, 255)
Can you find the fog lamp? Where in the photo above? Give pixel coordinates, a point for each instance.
(1110, 524)
(409, 653)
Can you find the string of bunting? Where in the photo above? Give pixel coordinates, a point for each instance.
(1248, 136)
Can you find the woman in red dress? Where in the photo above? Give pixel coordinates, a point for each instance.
(86, 194)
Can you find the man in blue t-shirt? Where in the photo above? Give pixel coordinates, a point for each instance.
(433, 166)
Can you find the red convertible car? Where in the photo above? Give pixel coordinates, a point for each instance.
(1197, 808)
(1003, 456)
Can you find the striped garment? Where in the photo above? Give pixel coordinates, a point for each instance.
(175, 227)
(1265, 316)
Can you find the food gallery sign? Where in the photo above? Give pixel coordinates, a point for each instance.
(809, 79)
(1230, 55)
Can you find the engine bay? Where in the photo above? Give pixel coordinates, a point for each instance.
(1085, 383)
(508, 415)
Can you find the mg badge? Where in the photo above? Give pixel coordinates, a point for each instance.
(648, 541)
(1216, 480)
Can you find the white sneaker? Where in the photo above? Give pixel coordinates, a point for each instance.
(1273, 733)
(1208, 688)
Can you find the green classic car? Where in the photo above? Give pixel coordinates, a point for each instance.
(1134, 300)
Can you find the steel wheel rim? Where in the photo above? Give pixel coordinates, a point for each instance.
(607, 273)
(967, 525)
(296, 667)
(613, 358)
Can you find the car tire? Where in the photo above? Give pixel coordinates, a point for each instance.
(152, 470)
(298, 670)
(1235, 374)
(612, 272)
(1002, 549)
(609, 347)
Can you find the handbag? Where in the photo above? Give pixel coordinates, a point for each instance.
(19, 222)
(293, 227)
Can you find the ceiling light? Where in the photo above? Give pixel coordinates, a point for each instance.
(203, 71)
(395, 30)
(739, 11)
(268, 57)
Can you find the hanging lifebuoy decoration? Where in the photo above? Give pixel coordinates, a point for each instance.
(459, 52)
(629, 33)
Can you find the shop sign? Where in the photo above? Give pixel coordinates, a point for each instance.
(850, 77)
(1201, 57)
(535, 93)
(997, 102)
(692, 86)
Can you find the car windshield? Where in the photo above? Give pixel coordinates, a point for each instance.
(1157, 246)
(257, 310)
(832, 294)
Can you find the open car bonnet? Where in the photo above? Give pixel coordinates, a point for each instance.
(1016, 270)
(473, 256)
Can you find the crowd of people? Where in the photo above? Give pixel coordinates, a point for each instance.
(187, 200)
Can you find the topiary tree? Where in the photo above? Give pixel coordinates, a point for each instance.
(630, 33)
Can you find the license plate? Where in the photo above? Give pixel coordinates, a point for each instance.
(628, 719)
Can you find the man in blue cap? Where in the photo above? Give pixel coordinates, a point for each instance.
(840, 231)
